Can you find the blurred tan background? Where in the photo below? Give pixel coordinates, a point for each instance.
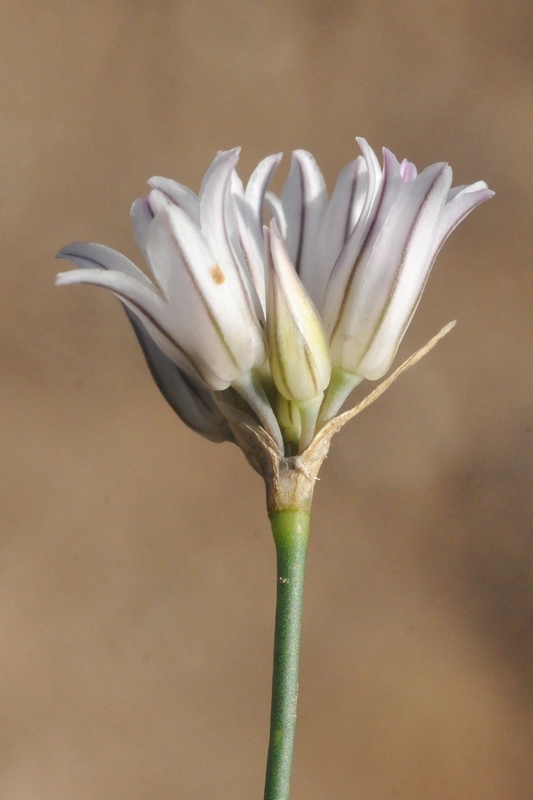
(136, 565)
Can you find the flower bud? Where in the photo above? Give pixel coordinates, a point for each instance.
(297, 345)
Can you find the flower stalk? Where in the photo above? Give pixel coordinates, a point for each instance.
(290, 528)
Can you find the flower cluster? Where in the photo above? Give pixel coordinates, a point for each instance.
(279, 321)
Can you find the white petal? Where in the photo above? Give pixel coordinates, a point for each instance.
(180, 195)
(158, 200)
(216, 323)
(303, 199)
(275, 207)
(359, 193)
(214, 210)
(253, 253)
(218, 222)
(257, 186)
(141, 217)
(249, 210)
(408, 171)
(88, 255)
(145, 303)
(459, 206)
(165, 249)
(336, 225)
(189, 398)
(383, 191)
(391, 279)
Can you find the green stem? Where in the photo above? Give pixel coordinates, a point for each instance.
(291, 531)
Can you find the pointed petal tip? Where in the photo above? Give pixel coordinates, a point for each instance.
(233, 153)
(483, 193)
(137, 203)
(272, 161)
(73, 249)
(390, 162)
(300, 153)
(63, 253)
(272, 228)
(477, 193)
(368, 153)
(274, 239)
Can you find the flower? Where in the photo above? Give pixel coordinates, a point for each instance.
(244, 318)
(204, 314)
(367, 255)
(381, 271)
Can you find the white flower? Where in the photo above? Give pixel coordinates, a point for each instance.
(203, 313)
(269, 311)
(381, 271)
(365, 256)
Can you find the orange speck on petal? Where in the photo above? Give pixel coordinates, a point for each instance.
(217, 274)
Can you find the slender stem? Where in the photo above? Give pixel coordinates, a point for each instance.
(291, 531)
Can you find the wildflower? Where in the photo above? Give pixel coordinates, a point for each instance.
(204, 313)
(242, 318)
(256, 334)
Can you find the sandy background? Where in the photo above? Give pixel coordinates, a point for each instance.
(136, 566)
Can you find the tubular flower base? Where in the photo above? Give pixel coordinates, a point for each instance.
(256, 334)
